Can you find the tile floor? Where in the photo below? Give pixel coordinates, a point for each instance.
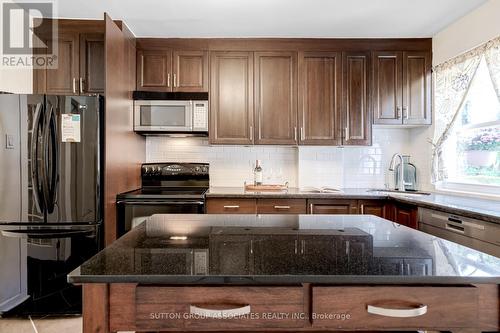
(41, 325)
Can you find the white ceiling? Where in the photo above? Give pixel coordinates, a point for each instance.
(275, 18)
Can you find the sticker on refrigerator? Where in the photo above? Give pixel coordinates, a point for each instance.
(70, 128)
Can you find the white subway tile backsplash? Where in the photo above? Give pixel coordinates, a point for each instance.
(348, 167)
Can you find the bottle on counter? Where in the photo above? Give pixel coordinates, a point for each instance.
(257, 173)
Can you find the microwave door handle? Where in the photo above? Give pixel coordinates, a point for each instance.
(189, 115)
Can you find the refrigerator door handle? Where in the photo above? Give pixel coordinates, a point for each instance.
(35, 177)
(54, 160)
(49, 168)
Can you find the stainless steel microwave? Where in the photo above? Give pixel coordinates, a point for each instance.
(165, 116)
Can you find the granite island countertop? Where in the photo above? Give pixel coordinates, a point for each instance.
(484, 209)
(283, 249)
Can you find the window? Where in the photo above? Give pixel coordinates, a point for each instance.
(471, 152)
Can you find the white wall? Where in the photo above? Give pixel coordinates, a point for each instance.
(16, 79)
(348, 167)
(473, 29)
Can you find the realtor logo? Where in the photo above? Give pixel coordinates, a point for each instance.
(29, 38)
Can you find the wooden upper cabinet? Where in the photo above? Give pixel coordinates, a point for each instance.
(356, 98)
(320, 88)
(276, 97)
(387, 87)
(91, 63)
(153, 70)
(80, 59)
(402, 88)
(167, 70)
(64, 79)
(190, 71)
(417, 88)
(231, 97)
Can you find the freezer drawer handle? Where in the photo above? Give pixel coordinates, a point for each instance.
(219, 314)
(397, 313)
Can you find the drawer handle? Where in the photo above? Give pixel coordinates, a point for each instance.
(281, 207)
(397, 313)
(454, 228)
(219, 314)
(232, 207)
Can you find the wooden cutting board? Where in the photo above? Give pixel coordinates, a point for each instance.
(265, 187)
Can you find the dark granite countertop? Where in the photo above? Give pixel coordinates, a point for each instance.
(283, 249)
(484, 209)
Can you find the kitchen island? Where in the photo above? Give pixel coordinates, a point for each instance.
(286, 273)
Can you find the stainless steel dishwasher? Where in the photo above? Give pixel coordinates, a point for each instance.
(473, 233)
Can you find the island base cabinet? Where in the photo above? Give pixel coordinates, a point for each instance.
(392, 308)
(190, 308)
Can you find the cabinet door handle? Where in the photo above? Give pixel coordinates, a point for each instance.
(311, 207)
(398, 112)
(295, 133)
(74, 85)
(281, 207)
(301, 133)
(175, 82)
(397, 313)
(81, 85)
(405, 113)
(362, 209)
(347, 134)
(251, 133)
(232, 207)
(168, 80)
(219, 314)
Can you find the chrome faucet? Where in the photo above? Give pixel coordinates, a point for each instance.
(401, 172)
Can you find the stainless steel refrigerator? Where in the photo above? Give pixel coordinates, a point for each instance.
(50, 199)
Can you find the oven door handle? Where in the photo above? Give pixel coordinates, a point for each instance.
(169, 202)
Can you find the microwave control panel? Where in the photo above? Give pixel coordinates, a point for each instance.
(200, 115)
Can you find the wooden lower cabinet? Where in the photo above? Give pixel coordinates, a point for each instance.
(256, 206)
(153, 308)
(281, 206)
(332, 206)
(404, 214)
(328, 308)
(373, 207)
(231, 206)
(388, 307)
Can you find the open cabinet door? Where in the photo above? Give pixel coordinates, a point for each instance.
(124, 150)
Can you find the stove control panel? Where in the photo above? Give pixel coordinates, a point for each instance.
(172, 171)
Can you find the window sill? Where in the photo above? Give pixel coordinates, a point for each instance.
(466, 189)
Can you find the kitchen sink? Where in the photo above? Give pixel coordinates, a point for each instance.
(400, 192)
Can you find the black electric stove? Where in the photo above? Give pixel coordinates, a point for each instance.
(167, 188)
